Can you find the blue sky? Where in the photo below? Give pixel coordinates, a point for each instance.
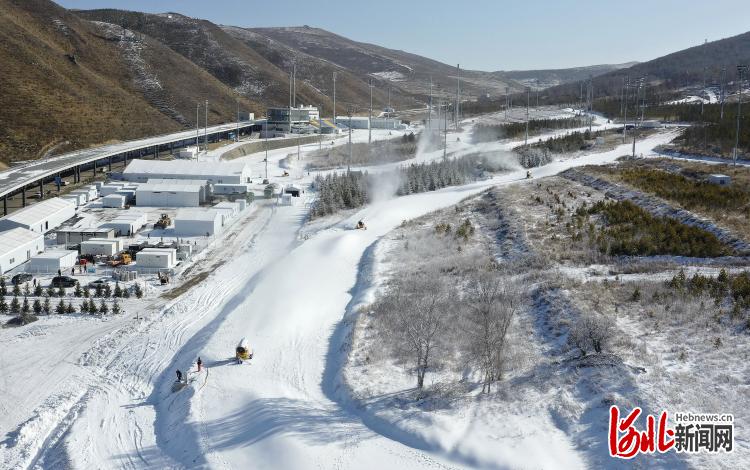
(485, 34)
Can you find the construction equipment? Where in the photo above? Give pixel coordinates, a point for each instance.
(163, 222)
(360, 226)
(120, 260)
(243, 351)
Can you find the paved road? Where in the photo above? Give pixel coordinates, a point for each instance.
(15, 178)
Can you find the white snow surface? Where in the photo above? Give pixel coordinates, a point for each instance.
(108, 402)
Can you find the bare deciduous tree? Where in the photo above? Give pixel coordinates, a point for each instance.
(492, 303)
(591, 332)
(414, 314)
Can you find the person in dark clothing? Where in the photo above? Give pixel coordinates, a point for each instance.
(179, 375)
(200, 363)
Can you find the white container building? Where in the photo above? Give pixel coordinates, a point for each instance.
(40, 217)
(114, 200)
(17, 246)
(101, 246)
(231, 208)
(82, 194)
(207, 188)
(175, 194)
(140, 171)
(74, 236)
(159, 259)
(77, 199)
(52, 261)
(172, 252)
(197, 223)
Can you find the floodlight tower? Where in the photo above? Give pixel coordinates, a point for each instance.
(526, 137)
(458, 94)
(369, 123)
(334, 99)
(741, 69)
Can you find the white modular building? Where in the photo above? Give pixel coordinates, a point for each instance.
(74, 236)
(40, 217)
(197, 223)
(140, 171)
(207, 188)
(232, 209)
(81, 194)
(175, 194)
(77, 199)
(156, 258)
(114, 200)
(17, 246)
(172, 252)
(52, 261)
(101, 246)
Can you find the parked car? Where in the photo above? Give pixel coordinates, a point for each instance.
(99, 282)
(63, 281)
(21, 278)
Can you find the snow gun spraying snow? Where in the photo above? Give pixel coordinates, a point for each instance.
(243, 351)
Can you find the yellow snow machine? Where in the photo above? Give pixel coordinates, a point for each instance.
(243, 352)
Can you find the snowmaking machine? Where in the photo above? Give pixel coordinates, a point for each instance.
(243, 351)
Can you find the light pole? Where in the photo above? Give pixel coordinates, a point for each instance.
(265, 125)
(526, 137)
(741, 69)
(369, 123)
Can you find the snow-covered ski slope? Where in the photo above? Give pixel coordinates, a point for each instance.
(283, 410)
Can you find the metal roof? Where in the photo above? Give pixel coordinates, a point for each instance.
(16, 237)
(207, 215)
(31, 215)
(187, 168)
(169, 188)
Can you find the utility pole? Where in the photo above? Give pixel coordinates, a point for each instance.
(349, 163)
(429, 108)
(740, 70)
(265, 125)
(723, 90)
(526, 137)
(445, 132)
(635, 117)
(294, 83)
(507, 90)
(334, 99)
(458, 94)
(369, 123)
(625, 119)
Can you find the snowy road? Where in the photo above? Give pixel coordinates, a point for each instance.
(283, 410)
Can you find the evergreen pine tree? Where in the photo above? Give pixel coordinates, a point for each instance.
(15, 306)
